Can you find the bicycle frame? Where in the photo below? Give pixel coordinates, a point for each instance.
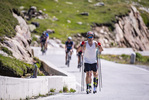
(68, 58)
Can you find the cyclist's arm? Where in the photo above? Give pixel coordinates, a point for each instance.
(47, 39)
(82, 47)
(47, 35)
(100, 47)
(72, 46)
(65, 47)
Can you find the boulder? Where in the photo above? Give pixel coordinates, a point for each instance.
(21, 7)
(84, 13)
(90, 1)
(50, 31)
(35, 23)
(99, 4)
(80, 23)
(40, 12)
(68, 21)
(31, 27)
(70, 3)
(54, 18)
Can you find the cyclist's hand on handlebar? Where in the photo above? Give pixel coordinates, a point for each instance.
(99, 44)
(83, 42)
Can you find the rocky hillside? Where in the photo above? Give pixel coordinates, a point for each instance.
(19, 45)
(130, 31)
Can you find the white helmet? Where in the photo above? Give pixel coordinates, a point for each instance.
(69, 38)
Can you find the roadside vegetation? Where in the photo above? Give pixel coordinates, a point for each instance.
(10, 66)
(125, 59)
(13, 67)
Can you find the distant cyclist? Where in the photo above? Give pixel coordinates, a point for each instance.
(44, 40)
(68, 47)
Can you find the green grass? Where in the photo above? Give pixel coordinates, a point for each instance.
(6, 50)
(145, 17)
(13, 67)
(125, 59)
(100, 15)
(7, 21)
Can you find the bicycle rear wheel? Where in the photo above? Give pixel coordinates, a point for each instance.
(68, 59)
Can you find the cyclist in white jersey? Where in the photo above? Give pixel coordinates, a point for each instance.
(90, 60)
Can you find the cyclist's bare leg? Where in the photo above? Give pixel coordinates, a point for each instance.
(78, 59)
(88, 77)
(45, 45)
(95, 74)
(71, 52)
(88, 81)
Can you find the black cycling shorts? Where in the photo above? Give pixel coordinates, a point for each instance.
(79, 53)
(68, 50)
(43, 40)
(90, 67)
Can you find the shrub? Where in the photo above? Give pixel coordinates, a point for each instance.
(139, 57)
(125, 56)
(52, 90)
(72, 90)
(65, 89)
(60, 91)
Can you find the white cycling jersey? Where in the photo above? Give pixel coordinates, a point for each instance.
(90, 53)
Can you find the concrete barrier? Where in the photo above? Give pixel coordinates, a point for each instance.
(118, 51)
(52, 69)
(58, 82)
(17, 88)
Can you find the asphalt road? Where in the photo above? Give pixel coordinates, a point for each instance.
(120, 81)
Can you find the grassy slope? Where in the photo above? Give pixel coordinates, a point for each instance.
(13, 67)
(69, 12)
(63, 29)
(7, 21)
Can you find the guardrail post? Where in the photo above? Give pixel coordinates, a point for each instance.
(133, 58)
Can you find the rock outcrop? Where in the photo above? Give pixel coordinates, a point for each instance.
(20, 44)
(130, 31)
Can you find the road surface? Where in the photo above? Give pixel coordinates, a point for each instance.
(120, 81)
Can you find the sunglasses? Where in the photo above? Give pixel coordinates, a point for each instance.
(90, 37)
